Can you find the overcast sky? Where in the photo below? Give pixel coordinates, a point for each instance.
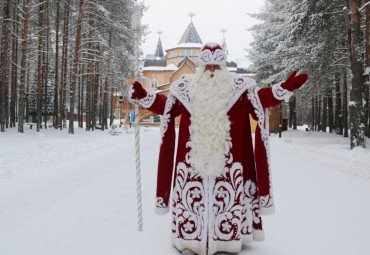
(171, 17)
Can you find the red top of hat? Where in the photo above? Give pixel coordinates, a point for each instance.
(212, 47)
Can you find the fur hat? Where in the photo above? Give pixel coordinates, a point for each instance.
(212, 54)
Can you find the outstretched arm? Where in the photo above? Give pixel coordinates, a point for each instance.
(273, 96)
(148, 99)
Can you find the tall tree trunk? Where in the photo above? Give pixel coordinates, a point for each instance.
(367, 83)
(28, 88)
(330, 109)
(291, 109)
(90, 78)
(79, 84)
(82, 96)
(313, 114)
(56, 72)
(319, 113)
(4, 66)
(96, 86)
(112, 103)
(105, 103)
(324, 113)
(338, 106)
(345, 104)
(46, 64)
(295, 112)
(357, 126)
(63, 75)
(13, 101)
(75, 68)
(22, 94)
(39, 65)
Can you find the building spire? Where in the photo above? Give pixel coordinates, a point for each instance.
(159, 50)
(223, 44)
(191, 34)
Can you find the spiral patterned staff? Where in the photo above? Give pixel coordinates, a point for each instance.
(138, 169)
(136, 27)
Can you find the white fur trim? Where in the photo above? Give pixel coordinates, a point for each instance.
(281, 93)
(161, 207)
(161, 211)
(239, 85)
(171, 100)
(148, 101)
(180, 89)
(265, 201)
(267, 210)
(258, 235)
(207, 57)
(131, 91)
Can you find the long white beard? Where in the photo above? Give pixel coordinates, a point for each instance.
(210, 140)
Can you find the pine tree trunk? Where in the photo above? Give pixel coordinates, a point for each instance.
(338, 106)
(112, 103)
(96, 86)
(295, 112)
(90, 83)
(367, 83)
(357, 126)
(82, 96)
(319, 113)
(79, 96)
(330, 109)
(324, 113)
(345, 104)
(63, 75)
(46, 65)
(28, 87)
(56, 72)
(105, 103)
(4, 66)
(22, 93)
(75, 68)
(13, 101)
(313, 114)
(291, 112)
(39, 65)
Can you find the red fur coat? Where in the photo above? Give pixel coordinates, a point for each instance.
(218, 213)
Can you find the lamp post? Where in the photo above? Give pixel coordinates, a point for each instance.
(120, 101)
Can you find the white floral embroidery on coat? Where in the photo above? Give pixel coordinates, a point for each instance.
(160, 203)
(280, 93)
(171, 100)
(148, 101)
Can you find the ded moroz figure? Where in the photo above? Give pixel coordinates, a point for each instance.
(221, 183)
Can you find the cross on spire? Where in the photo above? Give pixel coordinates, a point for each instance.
(159, 32)
(191, 15)
(223, 32)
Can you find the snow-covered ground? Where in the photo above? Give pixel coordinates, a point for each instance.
(66, 194)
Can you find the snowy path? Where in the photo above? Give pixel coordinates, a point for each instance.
(76, 195)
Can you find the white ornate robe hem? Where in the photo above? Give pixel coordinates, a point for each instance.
(258, 235)
(161, 211)
(267, 210)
